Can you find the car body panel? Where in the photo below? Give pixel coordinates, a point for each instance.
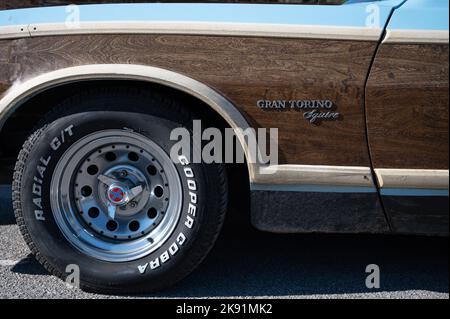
(407, 117)
(280, 68)
(251, 52)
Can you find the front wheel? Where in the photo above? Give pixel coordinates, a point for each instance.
(98, 191)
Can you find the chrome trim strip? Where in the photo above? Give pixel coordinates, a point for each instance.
(311, 188)
(14, 32)
(204, 28)
(416, 36)
(353, 176)
(412, 178)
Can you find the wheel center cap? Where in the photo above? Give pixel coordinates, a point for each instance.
(118, 194)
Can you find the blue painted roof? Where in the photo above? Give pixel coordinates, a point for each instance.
(352, 14)
(421, 15)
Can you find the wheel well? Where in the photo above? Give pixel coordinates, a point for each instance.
(28, 115)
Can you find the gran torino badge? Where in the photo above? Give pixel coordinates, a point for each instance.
(314, 111)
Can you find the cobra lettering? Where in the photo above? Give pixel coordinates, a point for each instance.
(165, 256)
(189, 222)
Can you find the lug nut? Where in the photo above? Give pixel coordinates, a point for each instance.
(123, 173)
(133, 204)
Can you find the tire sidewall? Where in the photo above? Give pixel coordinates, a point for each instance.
(51, 244)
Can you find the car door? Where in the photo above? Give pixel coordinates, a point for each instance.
(407, 117)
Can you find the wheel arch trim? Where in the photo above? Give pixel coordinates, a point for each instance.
(23, 90)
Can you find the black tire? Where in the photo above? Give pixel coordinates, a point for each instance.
(150, 115)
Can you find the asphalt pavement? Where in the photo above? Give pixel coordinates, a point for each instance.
(246, 263)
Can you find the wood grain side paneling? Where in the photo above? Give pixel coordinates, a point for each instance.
(9, 69)
(407, 106)
(5, 65)
(245, 70)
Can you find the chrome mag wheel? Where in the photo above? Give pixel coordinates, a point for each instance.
(116, 195)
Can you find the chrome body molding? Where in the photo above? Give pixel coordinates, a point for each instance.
(347, 176)
(342, 179)
(416, 36)
(311, 188)
(194, 28)
(14, 32)
(425, 179)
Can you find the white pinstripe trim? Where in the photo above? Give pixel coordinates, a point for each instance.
(412, 178)
(197, 28)
(416, 36)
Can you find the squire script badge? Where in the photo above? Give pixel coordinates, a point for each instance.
(314, 111)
